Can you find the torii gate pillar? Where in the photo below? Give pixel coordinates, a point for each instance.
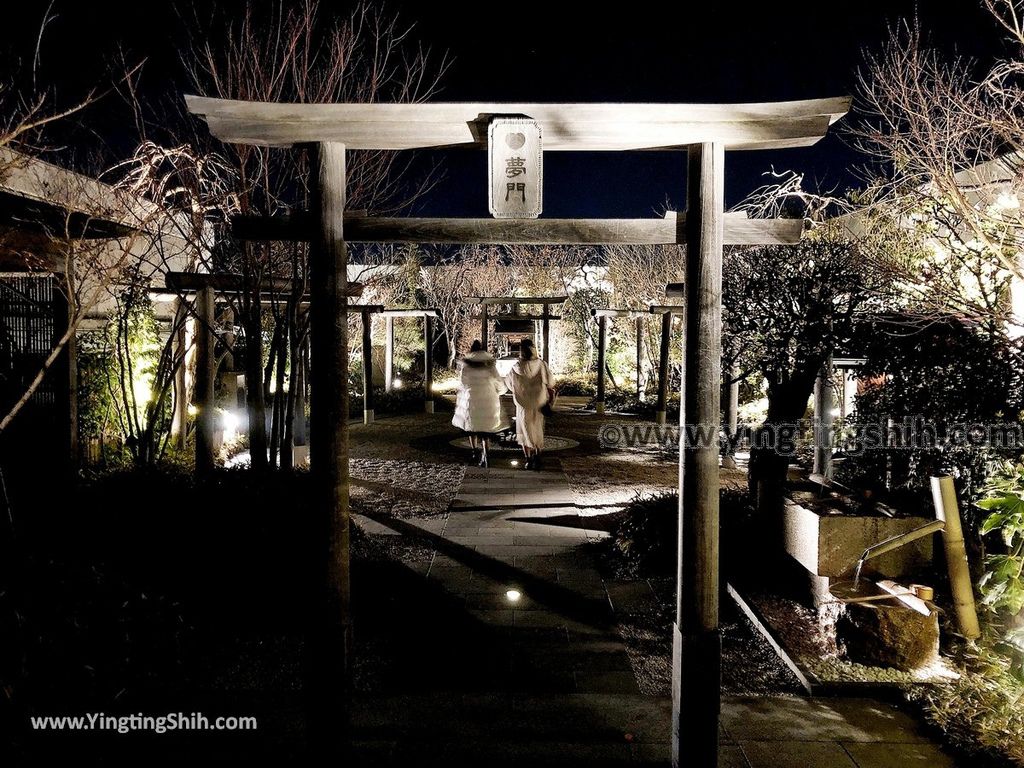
(331, 637)
(697, 644)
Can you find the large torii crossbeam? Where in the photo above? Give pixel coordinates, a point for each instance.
(704, 132)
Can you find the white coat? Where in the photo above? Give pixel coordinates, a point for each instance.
(478, 404)
(530, 381)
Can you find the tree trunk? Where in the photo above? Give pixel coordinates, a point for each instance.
(773, 445)
(255, 401)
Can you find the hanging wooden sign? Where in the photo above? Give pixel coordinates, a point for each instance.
(516, 168)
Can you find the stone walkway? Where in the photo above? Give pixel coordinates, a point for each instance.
(531, 671)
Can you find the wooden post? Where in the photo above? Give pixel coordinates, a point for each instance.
(367, 323)
(226, 369)
(732, 411)
(483, 327)
(228, 324)
(960, 584)
(389, 352)
(206, 414)
(697, 647)
(823, 405)
(299, 428)
(331, 637)
(639, 353)
(666, 337)
(545, 324)
(731, 387)
(602, 341)
(428, 361)
(179, 425)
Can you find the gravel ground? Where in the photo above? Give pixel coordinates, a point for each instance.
(613, 476)
(749, 664)
(404, 466)
(404, 488)
(616, 477)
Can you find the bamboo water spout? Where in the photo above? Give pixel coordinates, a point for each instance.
(894, 542)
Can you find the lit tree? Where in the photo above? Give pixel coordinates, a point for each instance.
(790, 307)
(948, 136)
(296, 54)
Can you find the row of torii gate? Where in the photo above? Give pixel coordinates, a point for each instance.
(704, 132)
(204, 288)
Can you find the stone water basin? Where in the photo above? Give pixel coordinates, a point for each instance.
(879, 629)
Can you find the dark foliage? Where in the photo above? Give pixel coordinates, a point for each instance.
(645, 532)
(145, 574)
(945, 375)
(408, 399)
(577, 386)
(619, 401)
(786, 309)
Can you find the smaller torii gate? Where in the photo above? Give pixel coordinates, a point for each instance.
(365, 310)
(667, 312)
(205, 286)
(428, 314)
(516, 301)
(602, 315)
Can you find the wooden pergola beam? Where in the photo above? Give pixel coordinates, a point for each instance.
(739, 230)
(516, 300)
(524, 317)
(223, 282)
(410, 313)
(566, 127)
(615, 312)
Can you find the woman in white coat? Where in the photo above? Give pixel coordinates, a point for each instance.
(478, 408)
(532, 388)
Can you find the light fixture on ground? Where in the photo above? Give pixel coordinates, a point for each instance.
(231, 422)
(514, 462)
(513, 595)
(396, 384)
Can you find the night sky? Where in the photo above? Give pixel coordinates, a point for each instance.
(507, 51)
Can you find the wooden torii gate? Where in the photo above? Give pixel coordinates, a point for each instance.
(667, 312)
(602, 315)
(428, 314)
(517, 301)
(705, 132)
(205, 286)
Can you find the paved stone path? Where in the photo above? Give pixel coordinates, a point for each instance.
(534, 672)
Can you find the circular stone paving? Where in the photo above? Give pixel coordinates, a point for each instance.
(551, 443)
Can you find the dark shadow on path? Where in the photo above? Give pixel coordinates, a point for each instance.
(566, 602)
